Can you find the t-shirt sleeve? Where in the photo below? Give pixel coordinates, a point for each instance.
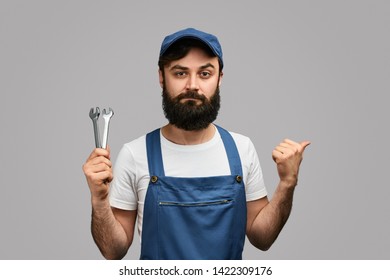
(122, 189)
(255, 186)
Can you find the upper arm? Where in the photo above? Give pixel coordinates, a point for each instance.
(253, 209)
(127, 219)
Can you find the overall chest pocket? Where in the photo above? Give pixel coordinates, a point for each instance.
(200, 220)
(196, 230)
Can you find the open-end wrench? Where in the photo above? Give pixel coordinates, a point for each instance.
(107, 117)
(94, 117)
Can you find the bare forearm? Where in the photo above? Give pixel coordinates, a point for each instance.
(271, 219)
(107, 232)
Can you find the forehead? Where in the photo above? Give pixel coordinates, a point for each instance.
(196, 57)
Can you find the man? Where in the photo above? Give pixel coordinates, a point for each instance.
(196, 188)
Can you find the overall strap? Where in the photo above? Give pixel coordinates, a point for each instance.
(231, 151)
(153, 149)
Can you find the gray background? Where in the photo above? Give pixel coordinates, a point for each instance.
(316, 70)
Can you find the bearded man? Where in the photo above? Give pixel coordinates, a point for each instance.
(194, 188)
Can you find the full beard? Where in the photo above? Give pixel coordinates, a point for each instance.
(189, 115)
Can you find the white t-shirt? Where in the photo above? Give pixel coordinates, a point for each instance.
(131, 172)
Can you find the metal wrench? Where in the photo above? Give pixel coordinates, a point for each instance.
(94, 117)
(107, 117)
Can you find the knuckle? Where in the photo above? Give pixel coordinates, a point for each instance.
(86, 171)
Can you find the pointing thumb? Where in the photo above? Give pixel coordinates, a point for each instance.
(304, 144)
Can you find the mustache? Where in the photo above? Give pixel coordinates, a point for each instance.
(190, 94)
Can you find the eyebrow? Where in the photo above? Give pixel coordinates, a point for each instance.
(180, 67)
(207, 66)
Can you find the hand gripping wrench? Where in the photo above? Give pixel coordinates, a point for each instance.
(94, 115)
(107, 117)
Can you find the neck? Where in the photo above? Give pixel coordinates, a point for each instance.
(184, 137)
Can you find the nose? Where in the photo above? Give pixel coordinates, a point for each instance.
(192, 83)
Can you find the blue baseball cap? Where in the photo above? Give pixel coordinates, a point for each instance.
(208, 39)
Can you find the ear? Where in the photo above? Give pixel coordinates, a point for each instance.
(220, 78)
(161, 78)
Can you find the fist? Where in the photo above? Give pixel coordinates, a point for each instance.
(98, 172)
(288, 156)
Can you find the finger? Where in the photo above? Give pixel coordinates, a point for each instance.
(98, 160)
(102, 152)
(91, 171)
(94, 172)
(285, 145)
(110, 177)
(300, 146)
(304, 144)
(99, 168)
(99, 152)
(96, 165)
(282, 150)
(103, 177)
(288, 148)
(277, 156)
(292, 144)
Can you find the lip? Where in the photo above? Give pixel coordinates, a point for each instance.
(195, 101)
(189, 98)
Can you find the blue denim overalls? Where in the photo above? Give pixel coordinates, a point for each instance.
(193, 218)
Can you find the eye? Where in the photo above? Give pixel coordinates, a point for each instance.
(205, 74)
(180, 74)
